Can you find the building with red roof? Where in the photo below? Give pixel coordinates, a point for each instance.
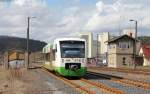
(145, 52)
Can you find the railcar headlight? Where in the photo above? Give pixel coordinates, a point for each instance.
(83, 61)
(79, 60)
(62, 60)
(68, 60)
(75, 60)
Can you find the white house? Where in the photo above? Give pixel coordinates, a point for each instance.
(145, 52)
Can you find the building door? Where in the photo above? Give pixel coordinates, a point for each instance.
(124, 61)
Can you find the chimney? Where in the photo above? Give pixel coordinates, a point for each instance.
(130, 34)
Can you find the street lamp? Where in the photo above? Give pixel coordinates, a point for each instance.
(97, 54)
(135, 21)
(28, 40)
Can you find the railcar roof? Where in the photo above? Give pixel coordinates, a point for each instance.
(63, 39)
(48, 45)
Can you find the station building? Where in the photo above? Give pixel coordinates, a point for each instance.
(114, 51)
(120, 51)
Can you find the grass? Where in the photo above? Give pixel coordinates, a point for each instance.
(21, 81)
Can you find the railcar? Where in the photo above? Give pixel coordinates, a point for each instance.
(66, 56)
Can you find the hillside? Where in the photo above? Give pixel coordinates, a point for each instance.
(144, 39)
(8, 43)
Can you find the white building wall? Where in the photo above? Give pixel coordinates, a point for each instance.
(96, 48)
(146, 59)
(103, 38)
(88, 36)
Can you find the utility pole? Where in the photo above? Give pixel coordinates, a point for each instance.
(135, 43)
(28, 50)
(28, 42)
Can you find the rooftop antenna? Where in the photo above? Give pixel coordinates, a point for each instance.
(120, 25)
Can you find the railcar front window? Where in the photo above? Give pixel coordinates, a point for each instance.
(72, 49)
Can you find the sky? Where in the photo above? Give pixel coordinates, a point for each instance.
(66, 18)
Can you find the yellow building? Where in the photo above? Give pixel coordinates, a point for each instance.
(16, 55)
(120, 51)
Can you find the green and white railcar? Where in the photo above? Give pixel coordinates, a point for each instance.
(66, 56)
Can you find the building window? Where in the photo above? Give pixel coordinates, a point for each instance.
(111, 46)
(124, 45)
(114, 46)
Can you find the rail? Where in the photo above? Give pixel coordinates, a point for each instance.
(137, 71)
(145, 85)
(70, 83)
(104, 87)
(84, 88)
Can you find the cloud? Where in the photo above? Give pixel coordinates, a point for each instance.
(106, 16)
(20, 2)
(100, 6)
(53, 22)
(109, 16)
(146, 23)
(28, 2)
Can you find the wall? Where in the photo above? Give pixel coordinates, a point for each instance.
(16, 56)
(146, 59)
(112, 48)
(94, 50)
(103, 38)
(112, 60)
(128, 60)
(116, 60)
(127, 51)
(88, 36)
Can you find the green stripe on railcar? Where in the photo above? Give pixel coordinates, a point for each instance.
(67, 72)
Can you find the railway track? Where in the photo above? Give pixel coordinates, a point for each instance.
(137, 71)
(86, 86)
(144, 85)
(103, 87)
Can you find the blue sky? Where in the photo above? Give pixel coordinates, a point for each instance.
(66, 2)
(63, 18)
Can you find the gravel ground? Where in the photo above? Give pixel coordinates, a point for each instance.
(34, 81)
(58, 87)
(140, 77)
(125, 88)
